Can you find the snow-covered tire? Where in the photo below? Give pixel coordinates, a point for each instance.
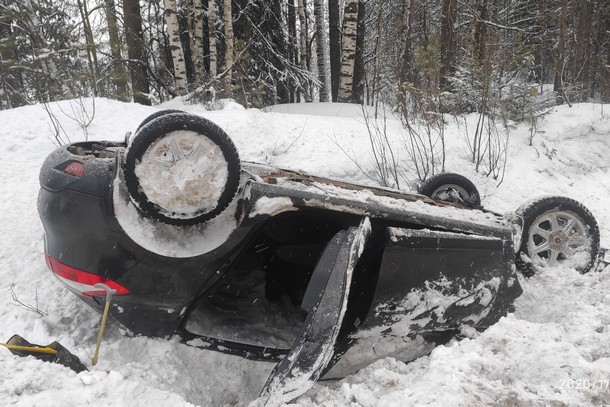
(557, 230)
(450, 187)
(181, 169)
(156, 115)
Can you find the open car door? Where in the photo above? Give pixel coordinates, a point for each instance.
(325, 301)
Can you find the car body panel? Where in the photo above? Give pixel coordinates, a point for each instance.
(453, 280)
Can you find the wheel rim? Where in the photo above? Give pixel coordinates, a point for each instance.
(184, 173)
(450, 193)
(557, 236)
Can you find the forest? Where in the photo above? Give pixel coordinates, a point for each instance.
(420, 57)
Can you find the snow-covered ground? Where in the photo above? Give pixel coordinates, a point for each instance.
(554, 350)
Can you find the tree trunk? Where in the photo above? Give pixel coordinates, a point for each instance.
(542, 54)
(119, 76)
(348, 51)
(480, 32)
(229, 44)
(279, 43)
(582, 61)
(600, 83)
(197, 42)
(303, 46)
(212, 39)
(378, 57)
(91, 51)
(318, 12)
(561, 53)
(447, 42)
(292, 45)
(334, 31)
(136, 52)
(405, 53)
(359, 73)
(175, 46)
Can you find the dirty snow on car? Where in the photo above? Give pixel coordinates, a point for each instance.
(183, 173)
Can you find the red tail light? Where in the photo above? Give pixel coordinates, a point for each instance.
(82, 282)
(75, 168)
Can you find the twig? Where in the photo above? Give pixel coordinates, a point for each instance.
(18, 303)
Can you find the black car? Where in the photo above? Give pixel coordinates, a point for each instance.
(321, 276)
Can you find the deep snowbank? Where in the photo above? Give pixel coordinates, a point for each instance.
(555, 349)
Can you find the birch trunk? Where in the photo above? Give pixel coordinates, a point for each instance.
(212, 39)
(321, 53)
(173, 31)
(303, 45)
(359, 74)
(348, 52)
(197, 42)
(228, 71)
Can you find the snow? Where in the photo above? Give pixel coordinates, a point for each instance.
(554, 349)
(169, 240)
(195, 181)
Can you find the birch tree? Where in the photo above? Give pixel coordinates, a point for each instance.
(348, 51)
(321, 53)
(173, 31)
(359, 68)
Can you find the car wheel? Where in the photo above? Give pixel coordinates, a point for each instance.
(557, 230)
(182, 169)
(156, 115)
(450, 187)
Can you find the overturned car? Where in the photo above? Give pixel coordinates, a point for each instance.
(320, 276)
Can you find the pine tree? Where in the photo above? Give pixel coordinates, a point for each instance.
(136, 52)
(118, 73)
(334, 30)
(229, 47)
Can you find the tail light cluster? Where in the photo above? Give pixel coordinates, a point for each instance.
(82, 282)
(75, 168)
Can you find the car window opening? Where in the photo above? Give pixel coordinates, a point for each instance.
(258, 300)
